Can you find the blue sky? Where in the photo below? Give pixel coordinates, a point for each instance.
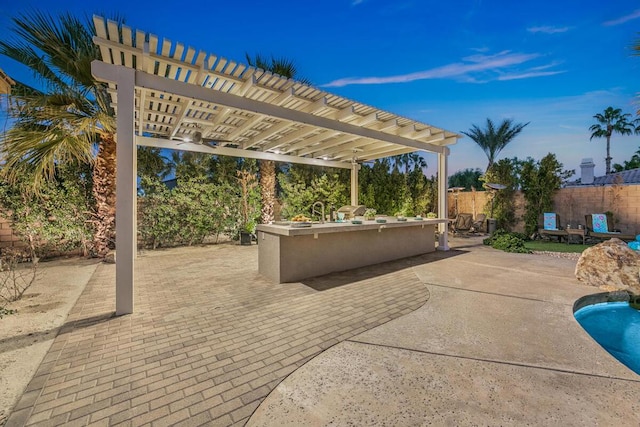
(450, 64)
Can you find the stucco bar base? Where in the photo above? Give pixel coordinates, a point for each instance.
(291, 255)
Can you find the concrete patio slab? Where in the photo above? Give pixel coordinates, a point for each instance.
(367, 385)
(496, 344)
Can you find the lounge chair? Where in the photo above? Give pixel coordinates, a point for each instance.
(600, 226)
(551, 226)
(462, 223)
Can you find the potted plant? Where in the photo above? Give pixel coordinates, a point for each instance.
(370, 214)
(247, 182)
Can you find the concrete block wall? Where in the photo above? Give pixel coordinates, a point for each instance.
(572, 204)
(8, 238)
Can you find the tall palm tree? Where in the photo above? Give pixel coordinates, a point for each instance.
(286, 68)
(493, 139)
(70, 119)
(410, 161)
(636, 52)
(610, 122)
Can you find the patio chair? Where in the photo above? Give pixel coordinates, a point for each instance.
(478, 223)
(600, 226)
(462, 223)
(551, 226)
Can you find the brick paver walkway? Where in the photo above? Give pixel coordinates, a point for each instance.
(209, 339)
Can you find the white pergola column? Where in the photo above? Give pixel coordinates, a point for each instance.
(443, 209)
(354, 183)
(126, 239)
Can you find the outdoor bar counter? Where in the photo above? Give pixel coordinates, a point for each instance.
(288, 254)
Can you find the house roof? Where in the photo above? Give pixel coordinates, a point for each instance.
(5, 83)
(625, 177)
(242, 110)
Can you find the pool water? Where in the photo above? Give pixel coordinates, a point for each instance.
(616, 327)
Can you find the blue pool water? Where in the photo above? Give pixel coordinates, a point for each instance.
(616, 327)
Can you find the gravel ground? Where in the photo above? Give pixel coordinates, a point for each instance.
(567, 255)
(26, 335)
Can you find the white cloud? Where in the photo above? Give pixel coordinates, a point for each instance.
(529, 75)
(633, 15)
(499, 63)
(547, 29)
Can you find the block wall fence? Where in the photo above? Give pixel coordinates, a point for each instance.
(572, 204)
(8, 238)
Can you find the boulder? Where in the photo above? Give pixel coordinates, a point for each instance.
(610, 265)
(110, 257)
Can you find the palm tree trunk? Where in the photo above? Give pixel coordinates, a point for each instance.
(104, 192)
(267, 189)
(608, 159)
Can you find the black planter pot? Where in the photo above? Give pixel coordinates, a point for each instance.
(245, 238)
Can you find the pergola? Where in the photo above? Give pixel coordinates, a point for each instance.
(169, 96)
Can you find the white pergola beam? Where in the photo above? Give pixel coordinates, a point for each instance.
(301, 133)
(406, 130)
(346, 114)
(237, 152)
(247, 125)
(309, 142)
(344, 142)
(389, 124)
(367, 120)
(275, 128)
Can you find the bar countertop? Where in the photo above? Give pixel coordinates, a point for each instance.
(284, 229)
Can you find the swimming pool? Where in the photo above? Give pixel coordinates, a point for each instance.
(616, 327)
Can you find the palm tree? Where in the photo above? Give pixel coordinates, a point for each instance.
(410, 161)
(66, 121)
(285, 68)
(492, 140)
(612, 121)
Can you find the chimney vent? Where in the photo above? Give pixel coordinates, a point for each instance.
(586, 171)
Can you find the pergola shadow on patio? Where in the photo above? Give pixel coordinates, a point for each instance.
(209, 340)
(170, 97)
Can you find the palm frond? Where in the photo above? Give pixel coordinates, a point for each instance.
(492, 140)
(282, 66)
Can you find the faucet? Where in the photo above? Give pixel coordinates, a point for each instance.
(314, 211)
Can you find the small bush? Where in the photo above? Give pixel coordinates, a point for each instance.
(508, 242)
(16, 276)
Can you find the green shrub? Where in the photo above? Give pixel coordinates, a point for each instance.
(56, 219)
(192, 211)
(508, 242)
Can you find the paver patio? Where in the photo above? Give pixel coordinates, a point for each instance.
(209, 339)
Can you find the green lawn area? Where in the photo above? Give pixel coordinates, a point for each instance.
(539, 245)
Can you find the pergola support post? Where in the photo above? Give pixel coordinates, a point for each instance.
(443, 209)
(354, 183)
(125, 191)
